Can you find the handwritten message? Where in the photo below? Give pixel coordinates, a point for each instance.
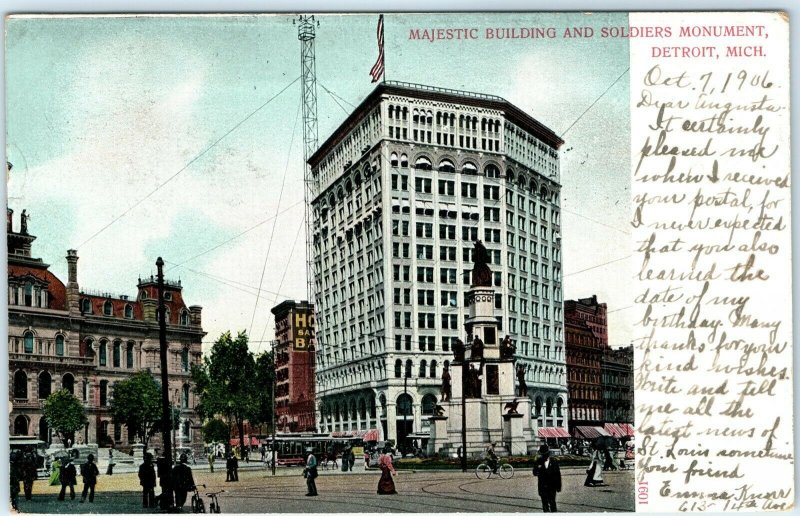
(712, 256)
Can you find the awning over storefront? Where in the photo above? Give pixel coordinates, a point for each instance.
(619, 429)
(365, 435)
(552, 432)
(252, 440)
(590, 432)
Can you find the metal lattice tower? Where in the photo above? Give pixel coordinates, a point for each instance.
(308, 68)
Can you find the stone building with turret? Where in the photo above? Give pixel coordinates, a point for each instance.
(65, 337)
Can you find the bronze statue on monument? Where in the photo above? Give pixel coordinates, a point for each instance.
(523, 387)
(481, 273)
(507, 348)
(447, 390)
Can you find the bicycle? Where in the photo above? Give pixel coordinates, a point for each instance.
(214, 507)
(484, 471)
(198, 505)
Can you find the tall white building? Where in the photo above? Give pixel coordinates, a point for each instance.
(404, 187)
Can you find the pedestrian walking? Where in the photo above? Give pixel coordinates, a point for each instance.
(594, 474)
(89, 472)
(55, 472)
(386, 483)
(147, 479)
(310, 472)
(182, 480)
(68, 479)
(111, 463)
(549, 475)
(351, 458)
(28, 472)
(211, 462)
(229, 468)
(234, 469)
(15, 475)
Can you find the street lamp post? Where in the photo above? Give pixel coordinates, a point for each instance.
(405, 410)
(274, 383)
(166, 469)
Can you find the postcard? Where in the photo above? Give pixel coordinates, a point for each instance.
(443, 262)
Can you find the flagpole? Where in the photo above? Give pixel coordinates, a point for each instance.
(384, 49)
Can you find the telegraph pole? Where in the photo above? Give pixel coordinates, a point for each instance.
(274, 383)
(166, 413)
(464, 412)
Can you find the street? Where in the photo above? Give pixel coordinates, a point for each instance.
(439, 491)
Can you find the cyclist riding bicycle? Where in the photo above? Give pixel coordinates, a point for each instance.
(491, 459)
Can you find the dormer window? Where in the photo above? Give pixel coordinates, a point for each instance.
(86, 306)
(184, 318)
(144, 294)
(167, 296)
(108, 309)
(128, 312)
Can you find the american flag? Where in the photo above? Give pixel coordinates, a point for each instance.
(378, 67)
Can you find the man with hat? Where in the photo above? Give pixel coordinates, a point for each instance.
(183, 480)
(68, 478)
(549, 478)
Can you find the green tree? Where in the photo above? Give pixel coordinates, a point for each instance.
(216, 430)
(227, 383)
(137, 404)
(64, 413)
(265, 379)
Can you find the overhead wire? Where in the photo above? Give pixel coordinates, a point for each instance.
(187, 165)
(275, 222)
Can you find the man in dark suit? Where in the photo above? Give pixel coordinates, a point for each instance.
(549, 479)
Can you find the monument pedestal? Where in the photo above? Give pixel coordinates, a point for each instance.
(137, 450)
(513, 434)
(439, 442)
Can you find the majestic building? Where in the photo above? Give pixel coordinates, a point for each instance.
(404, 187)
(617, 378)
(62, 337)
(294, 367)
(586, 329)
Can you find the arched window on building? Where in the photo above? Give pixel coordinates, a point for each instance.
(184, 318)
(108, 308)
(409, 365)
(469, 168)
(492, 171)
(447, 166)
(45, 385)
(559, 407)
(103, 393)
(398, 368)
(393, 159)
(129, 355)
(128, 312)
(428, 404)
(117, 353)
(21, 425)
(185, 396)
(28, 342)
(433, 369)
(423, 163)
(28, 293)
(404, 405)
(20, 385)
(68, 383)
(60, 345)
(103, 357)
(185, 360)
(423, 366)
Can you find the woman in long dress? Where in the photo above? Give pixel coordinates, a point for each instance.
(386, 483)
(594, 475)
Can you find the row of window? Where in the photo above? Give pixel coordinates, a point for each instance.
(108, 310)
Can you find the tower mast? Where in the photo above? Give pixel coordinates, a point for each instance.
(306, 33)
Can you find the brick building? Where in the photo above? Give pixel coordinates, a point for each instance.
(62, 337)
(294, 366)
(586, 341)
(617, 380)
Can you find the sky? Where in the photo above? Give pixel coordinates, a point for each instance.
(134, 137)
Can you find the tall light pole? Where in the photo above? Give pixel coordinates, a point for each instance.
(274, 383)
(166, 416)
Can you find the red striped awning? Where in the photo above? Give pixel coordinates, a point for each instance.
(619, 429)
(552, 432)
(253, 441)
(366, 435)
(590, 432)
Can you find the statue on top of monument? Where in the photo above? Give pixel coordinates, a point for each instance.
(523, 387)
(507, 348)
(23, 219)
(474, 381)
(481, 273)
(458, 350)
(476, 351)
(447, 390)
